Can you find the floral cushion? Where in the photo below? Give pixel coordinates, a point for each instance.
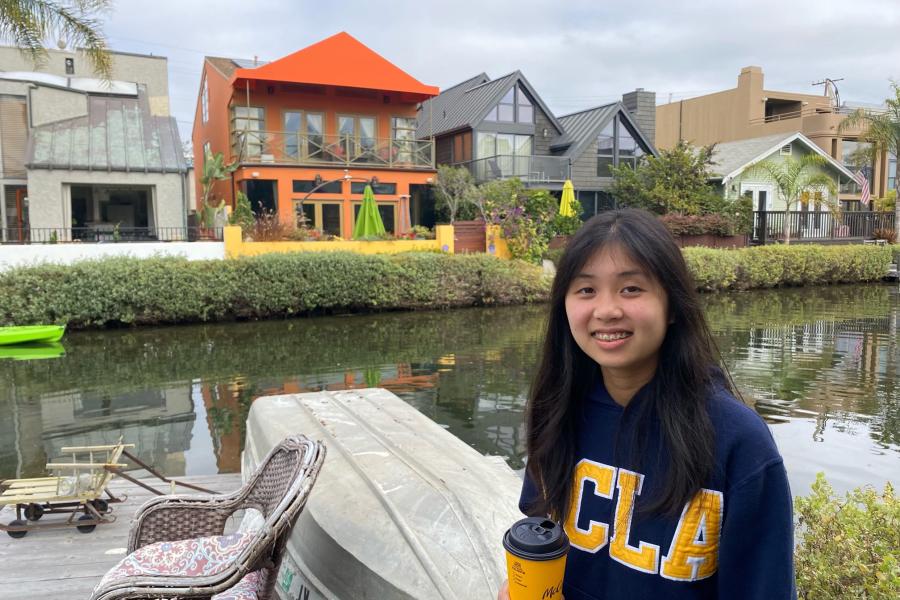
(246, 589)
(198, 557)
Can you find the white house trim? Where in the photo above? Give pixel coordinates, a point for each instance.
(795, 137)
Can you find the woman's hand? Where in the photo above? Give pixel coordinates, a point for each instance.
(504, 591)
(503, 594)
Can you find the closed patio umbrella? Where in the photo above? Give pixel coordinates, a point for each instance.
(567, 204)
(368, 222)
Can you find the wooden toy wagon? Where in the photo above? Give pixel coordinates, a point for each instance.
(76, 490)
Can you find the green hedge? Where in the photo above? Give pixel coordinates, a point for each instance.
(172, 290)
(772, 266)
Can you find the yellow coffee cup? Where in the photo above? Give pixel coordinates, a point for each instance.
(536, 550)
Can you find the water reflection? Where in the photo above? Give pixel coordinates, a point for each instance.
(820, 364)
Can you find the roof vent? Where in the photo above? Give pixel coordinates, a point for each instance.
(786, 149)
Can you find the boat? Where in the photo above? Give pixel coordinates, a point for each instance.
(23, 334)
(32, 351)
(402, 508)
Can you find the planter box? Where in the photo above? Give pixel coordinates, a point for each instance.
(559, 241)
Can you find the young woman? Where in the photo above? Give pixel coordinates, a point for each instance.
(667, 486)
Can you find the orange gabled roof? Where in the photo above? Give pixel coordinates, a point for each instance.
(340, 60)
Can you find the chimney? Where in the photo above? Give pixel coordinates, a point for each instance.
(642, 106)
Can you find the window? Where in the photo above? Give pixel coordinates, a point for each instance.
(207, 150)
(524, 108)
(606, 149)
(514, 107)
(617, 144)
(302, 135)
(379, 189)
(502, 155)
(304, 186)
(70, 69)
(324, 216)
(856, 156)
(204, 100)
(247, 125)
(403, 136)
(357, 134)
(892, 172)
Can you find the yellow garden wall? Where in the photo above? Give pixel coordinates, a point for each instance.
(494, 242)
(236, 247)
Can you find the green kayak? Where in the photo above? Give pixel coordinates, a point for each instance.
(34, 351)
(31, 333)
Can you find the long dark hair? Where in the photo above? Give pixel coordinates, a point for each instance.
(688, 364)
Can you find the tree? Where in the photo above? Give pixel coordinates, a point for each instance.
(675, 181)
(792, 177)
(883, 129)
(454, 188)
(214, 169)
(28, 24)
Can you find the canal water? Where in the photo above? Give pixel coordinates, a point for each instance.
(821, 365)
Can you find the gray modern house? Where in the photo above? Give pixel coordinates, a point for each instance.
(501, 129)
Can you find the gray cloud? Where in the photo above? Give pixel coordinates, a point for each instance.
(577, 53)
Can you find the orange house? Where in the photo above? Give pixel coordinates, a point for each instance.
(309, 131)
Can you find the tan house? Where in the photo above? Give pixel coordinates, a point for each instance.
(88, 160)
(752, 111)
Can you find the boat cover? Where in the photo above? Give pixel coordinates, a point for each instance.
(401, 509)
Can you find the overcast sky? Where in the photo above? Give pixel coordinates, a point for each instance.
(576, 53)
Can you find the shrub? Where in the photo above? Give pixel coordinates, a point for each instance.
(849, 548)
(772, 266)
(887, 234)
(173, 290)
(713, 224)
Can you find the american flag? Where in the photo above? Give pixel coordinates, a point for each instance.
(860, 178)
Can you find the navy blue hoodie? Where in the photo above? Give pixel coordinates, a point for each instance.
(734, 541)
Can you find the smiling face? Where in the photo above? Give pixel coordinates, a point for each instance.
(618, 315)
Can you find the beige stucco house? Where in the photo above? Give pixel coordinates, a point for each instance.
(87, 159)
(751, 111)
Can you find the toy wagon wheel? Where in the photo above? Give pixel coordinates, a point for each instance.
(100, 505)
(16, 534)
(33, 512)
(86, 528)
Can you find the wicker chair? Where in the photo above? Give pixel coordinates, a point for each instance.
(177, 548)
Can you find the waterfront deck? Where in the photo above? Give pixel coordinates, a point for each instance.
(63, 564)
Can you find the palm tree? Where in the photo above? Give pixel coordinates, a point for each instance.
(28, 24)
(883, 129)
(792, 177)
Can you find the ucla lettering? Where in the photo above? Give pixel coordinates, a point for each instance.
(693, 551)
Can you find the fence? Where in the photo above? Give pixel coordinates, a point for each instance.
(93, 235)
(768, 226)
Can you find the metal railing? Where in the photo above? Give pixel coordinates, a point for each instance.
(94, 235)
(809, 112)
(768, 226)
(530, 169)
(276, 147)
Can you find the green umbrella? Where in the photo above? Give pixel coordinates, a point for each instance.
(368, 222)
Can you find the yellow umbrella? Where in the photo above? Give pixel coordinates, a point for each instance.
(567, 205)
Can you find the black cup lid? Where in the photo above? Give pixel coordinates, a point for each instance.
(536, 538)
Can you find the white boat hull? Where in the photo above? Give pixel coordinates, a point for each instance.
(402, 508)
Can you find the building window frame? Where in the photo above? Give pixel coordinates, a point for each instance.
(519, 100)
(318, 209)
(306, 146)
(251, 139)
(204, 101)
(608, 157)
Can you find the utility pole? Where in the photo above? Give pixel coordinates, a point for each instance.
(831, 90)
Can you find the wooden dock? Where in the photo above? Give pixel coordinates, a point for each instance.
(63, 564)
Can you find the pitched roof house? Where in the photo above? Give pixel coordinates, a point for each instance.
(501, 128)
(310, 130)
